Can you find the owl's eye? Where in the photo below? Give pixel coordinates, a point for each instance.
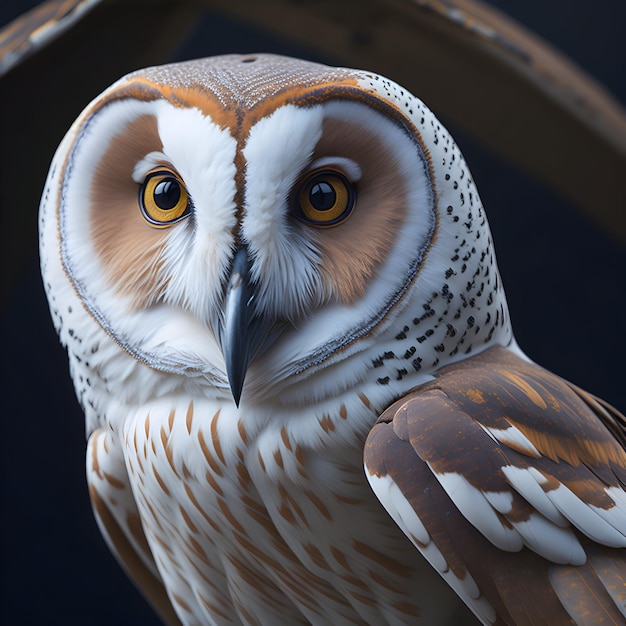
(325, 198)
(163, 199)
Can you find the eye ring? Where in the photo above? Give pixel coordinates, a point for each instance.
(324, 198)
(163, 198)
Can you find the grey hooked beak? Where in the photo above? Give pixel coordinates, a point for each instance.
(244, 334)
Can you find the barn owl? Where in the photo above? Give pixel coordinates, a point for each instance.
(304, 401)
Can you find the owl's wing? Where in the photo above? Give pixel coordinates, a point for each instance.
(117, 516)
(510, 482)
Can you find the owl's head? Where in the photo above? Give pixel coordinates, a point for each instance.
(259, 217)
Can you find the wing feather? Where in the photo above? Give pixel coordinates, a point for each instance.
(117, 516)
(508, 478)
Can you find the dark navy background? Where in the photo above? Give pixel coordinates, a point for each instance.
(565, 285)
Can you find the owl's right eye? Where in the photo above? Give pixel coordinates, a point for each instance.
(163, 199)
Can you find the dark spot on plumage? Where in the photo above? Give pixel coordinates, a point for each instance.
(383, 381)
(490, 299)
(470, 321)
(410, 352)
(429, 332)
(401, 373)
(450, 272)
(439, 348)
(449, 210)
(435, 362)
(447, 176)
(389, 355)
(457, 314)
(454, 351)
(70, 332)
(377, 362)
(462, 196)
(451, 330)
(418, 320)
(455, 258)
(463, 267)
(455, 185)
(455, 219)
(402, 334)
(417, 364)
(469, 349)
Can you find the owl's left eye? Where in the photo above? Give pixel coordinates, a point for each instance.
(163, 199)
(325, 198)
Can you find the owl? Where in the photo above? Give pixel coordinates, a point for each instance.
(304, 402)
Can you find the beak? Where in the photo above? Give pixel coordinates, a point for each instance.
(244, 334)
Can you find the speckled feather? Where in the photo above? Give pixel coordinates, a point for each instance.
(262, 513)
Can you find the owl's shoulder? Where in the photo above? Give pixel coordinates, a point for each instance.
(495, 455)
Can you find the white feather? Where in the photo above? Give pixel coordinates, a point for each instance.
(550, 541)
(525, 483)
(514, 438)
(477, 510)
(586, 518)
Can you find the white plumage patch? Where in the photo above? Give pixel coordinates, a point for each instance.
(398, 507)
(477, 509)
(525, 483)
(285, 260)
(514, 438)
(588, 519)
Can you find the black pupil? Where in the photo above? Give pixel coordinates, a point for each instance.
(322, 196)
(167, 194)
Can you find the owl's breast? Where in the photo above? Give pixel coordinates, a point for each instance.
(262, 517)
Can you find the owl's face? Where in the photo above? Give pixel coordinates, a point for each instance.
(256, 217)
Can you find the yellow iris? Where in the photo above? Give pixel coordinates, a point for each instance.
(163, 198)
(325, 198)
